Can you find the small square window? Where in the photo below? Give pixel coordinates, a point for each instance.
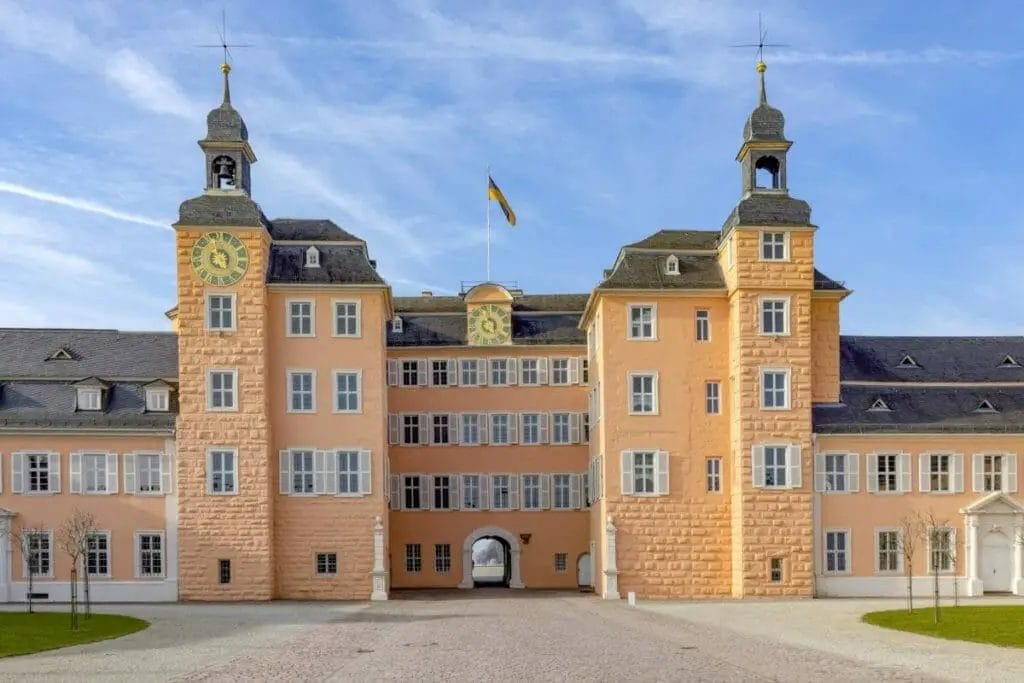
(326, 564)
(89, 399)
(157, 400)
(642, 322)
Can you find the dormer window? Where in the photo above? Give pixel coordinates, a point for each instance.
(312, 257)
(158, 400)
(879, 406)
(672, 265)
(908, 362)
(985, 407)
(61, 354)
(1009, 362)
(396, 325)
(223, 169)
(89, 398)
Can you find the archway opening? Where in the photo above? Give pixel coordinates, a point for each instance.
(767, 171)
(492, 562)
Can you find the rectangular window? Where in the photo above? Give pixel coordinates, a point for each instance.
(326, 564)
(992, 472)
(643, 472)
(561, 428)
(703, 326)
(89, 399)
(411, 429)
(411, 488)
(220, 390)
(38, 470)
(471, 492)
(642, 322)
(470, 435)
(643, 394)
(440, 429)
(222, 471)
(531, 492)
(888, 551)
(301, 393)
(501, 492)
(220, 312)
(413, 558)
(584, 371)
(939, 468)
(151, 555)
(887, 478)
(349, 473)
(561, 562)
(300, 318)
(410, 373)
(773, 246)
(561, 491)
(442, 558)
(224, 571)
(531, 428)
(560, 371)
(38, 553)
(346, 319)
(529, 371)
(346, 392)
(775, 466)
(148, 473)
(500, 428)
(97, 556)
(499, 372)
(837, 551)
(439, 373)
(775, 389)
(442, 492)
(774, 316)
(302, 471)
(469, 372)
(585, 424)
(94, 472)
(940, 549)
(835, 472)
(714, 474)
(775, 570)
(712, 399)
(157, 400)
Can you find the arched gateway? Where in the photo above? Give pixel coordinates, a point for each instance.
(515, 580)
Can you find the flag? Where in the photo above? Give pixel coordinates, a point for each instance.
(495, 194)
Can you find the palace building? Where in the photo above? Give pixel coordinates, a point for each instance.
(694, 426)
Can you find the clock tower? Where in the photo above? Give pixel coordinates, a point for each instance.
(488, 315)
(224, 478)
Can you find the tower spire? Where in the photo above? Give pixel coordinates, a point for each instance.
(226, 69)
(761, 68)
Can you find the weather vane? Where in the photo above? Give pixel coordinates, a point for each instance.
(224, 44)
(762, 33)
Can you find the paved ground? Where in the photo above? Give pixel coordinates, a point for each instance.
(501, 635)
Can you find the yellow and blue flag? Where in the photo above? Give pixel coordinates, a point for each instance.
(494, 193)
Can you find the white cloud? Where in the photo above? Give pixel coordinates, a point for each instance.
(883, 58)
(80, 204)
(146, 86)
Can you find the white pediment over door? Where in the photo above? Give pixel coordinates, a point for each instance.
(995, 503)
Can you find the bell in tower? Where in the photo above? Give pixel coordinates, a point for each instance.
(224, 172)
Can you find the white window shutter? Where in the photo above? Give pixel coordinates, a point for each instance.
(757, 466)
(819, 472)
(392, 372)
(544, 420)
(545, 491)
(365, 472)
(452, 366)
(111, 473)
(76, 473)
(424, 428)
(483, 420)
(575, 491)
(1010, 473)
(794, 467)
(958, 472)
(872, 486)
(574, 371)
(574, 427)
(54, 460)
(394, 429)
(426, 492)
(17, 472)
(421, 372)
(977, 473)
(513, 492)
(925, 480)
(166, 475)
(853, 471)
(513, 428)
(129, 473)
(542, 370)
(481, 372)
(513, 371)
(903, 467)
(284, 461)
(396, 492)
(485, 492)
(454, 428)
(627, 473)
(319, 472)
(330, 472)
(662, 468)
(454, 489)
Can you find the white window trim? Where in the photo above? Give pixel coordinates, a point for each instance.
(899, 483)
(209, 390)
(311, 258)
(789, 388)
(209, 471)
(82, 392)
(334, 390)
(50, 490)
(430, 373)
(707, 475)
(326, 575)
(655, 407)
(672, 265)
(696, 319)
(954, 457)
(786, 315)
(788, 447)
(333, 452)
(134, 491)
(654, 321)
(53, 555)
(137, 551)
(288, 318)
(359, 318)
(848, 458)
(718, 397)
(289, 373)
(928, 550)
(899, 552)
(153, 392)
(785, 246)
(110, 556)
(234, 312)
(106, 472)
(848, 552)
(656, 492)
(979, 486)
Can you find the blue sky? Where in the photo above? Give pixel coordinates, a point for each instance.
(603, 122)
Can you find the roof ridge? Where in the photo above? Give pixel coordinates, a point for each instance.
(84, 329)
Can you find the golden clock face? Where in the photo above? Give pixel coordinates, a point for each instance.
(219, 258)
(489, 325)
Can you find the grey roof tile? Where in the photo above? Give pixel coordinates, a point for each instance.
(51, 404)
(309, 230)
(824, 282)
(646, 270)
(939, 359)
(769, 208)
(106, 354)
(679, 240)
(221, 210)
(526, 302)
(339, 264)
(450, 330)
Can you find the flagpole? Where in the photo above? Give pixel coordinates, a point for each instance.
(488, 223)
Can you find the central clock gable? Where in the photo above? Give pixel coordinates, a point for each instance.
(488, 315)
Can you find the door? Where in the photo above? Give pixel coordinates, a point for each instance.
(583, 576)
(996, 563)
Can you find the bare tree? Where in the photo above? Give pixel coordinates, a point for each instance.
(910, 528)
(74, 537)
(940, 553)
(27, 538)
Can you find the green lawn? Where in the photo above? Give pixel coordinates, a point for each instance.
(997, 624)
(22, 633)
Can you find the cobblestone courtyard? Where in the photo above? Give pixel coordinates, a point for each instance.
(494, 634)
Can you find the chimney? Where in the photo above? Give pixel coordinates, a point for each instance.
(426, 293)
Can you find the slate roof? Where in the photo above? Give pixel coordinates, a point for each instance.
(309, 230)
(824, 282)
(450, 330)
(339, 264)
(765, 123)
(679, 240)
(769, 208)
(226, 210)
(225, 124)
(939, 359)
(51, 404)
(922, 409)
(646, 270)
(558, 303)
(106, 354)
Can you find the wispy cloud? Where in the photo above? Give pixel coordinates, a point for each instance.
(887, 58)
(80, 204)
(146, 86)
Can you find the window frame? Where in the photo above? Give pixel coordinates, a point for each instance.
(951, 531)
(787, 484)
(330, 558)
(137, 551)
(713, 474)
(629, 322)
(50, 552)
(289, 375)
(164, 397)
(787, 395)
(897, 551)
(761, 243)
(335, 303)
(712, 403)
(442, 560)
(105, 534)
(773, 299)
(413, 558)
(208, 311)
(288, 303)
(702, 323)
(630, 406)
(847, 551)
(210, 472)
(337, 372)
(89, 399)
(235, 395)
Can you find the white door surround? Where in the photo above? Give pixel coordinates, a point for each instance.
(995, 536)
(515, 581)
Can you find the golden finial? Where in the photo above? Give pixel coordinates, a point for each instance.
(225, 68)
(761, 67)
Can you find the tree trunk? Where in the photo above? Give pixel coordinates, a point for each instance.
(74, 596)
(31, 583)
(935, 572)
(910, 586)
(88, 601)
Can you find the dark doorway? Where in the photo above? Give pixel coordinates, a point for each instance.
(492, 562)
